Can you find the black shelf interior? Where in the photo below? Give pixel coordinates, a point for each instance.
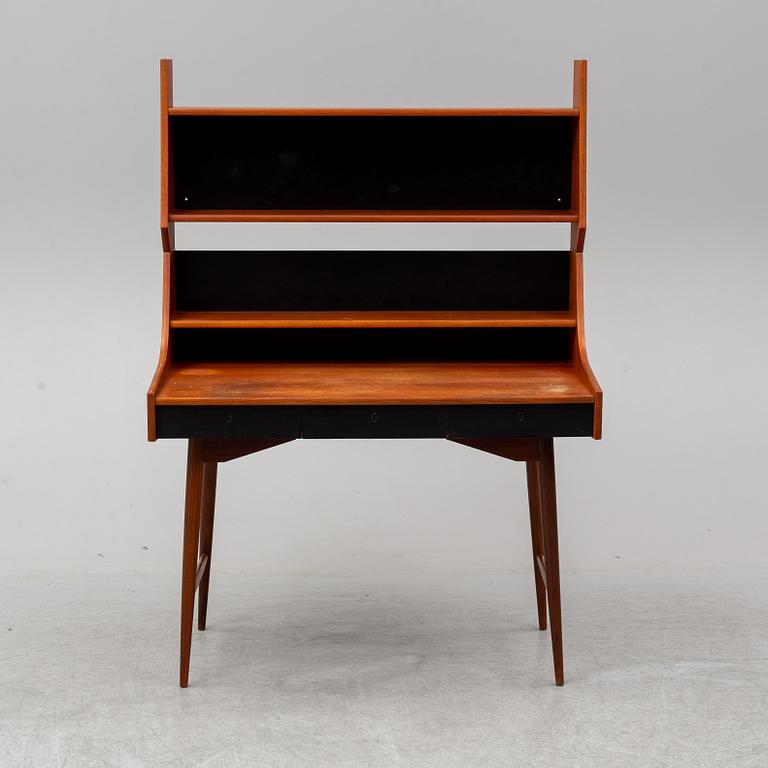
(380, 163)
(209, 281)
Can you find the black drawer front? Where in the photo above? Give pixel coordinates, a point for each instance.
(387, 421)
(520, 420)
(227, 421)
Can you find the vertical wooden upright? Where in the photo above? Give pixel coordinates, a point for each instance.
(166, 158)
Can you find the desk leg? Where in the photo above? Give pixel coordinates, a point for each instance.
(192, 505)
(210, 469)
(552, 557)
(537, 539)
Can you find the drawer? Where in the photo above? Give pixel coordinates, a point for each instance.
(569, 420)
(389, 421)
(252, 421)
(371, 421)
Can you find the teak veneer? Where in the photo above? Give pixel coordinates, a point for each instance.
(371, 383)
(372, 319)
(483, 348)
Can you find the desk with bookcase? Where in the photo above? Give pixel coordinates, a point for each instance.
(484, 348)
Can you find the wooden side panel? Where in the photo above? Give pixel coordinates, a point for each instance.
(578, 235)
(167, 237)
(166, 175)
(579, 173)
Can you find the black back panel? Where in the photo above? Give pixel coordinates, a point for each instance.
(381, 163)
(371, 344)
(371, 280)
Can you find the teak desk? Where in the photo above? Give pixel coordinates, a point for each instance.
(485, 348)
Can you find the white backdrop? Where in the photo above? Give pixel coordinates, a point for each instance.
(675, 283)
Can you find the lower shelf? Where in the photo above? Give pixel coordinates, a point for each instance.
(376, 383)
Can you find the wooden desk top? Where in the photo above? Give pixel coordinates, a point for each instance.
(360, 383)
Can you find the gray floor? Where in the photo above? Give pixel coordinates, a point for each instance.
(667, 667)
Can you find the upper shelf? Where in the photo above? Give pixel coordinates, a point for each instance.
(373, 112)
(541, 217)
(480, 164)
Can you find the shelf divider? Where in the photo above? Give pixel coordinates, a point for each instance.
(374, 319)
(373, 112)
(542, 217)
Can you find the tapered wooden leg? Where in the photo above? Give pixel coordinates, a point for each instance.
(192, 504)
(210, 469)
(537, 539)
(551, 554)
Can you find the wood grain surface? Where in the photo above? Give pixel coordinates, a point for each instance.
(353, 383)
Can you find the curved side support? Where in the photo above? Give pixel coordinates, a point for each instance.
(579, 352)
(165, 352)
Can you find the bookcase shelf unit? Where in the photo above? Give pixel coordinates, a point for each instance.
(484, 348)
